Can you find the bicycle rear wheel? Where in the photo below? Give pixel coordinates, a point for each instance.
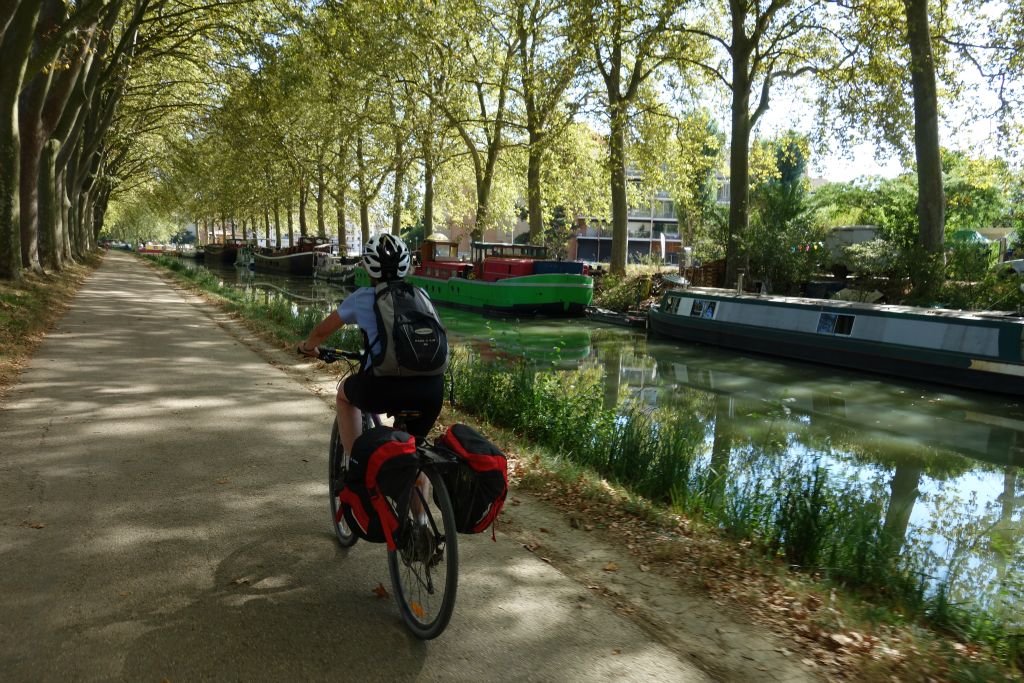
(425, 567)
(336, 471)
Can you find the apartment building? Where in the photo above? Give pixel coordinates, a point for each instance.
(652, 229)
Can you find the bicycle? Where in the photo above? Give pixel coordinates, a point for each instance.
(425, 563)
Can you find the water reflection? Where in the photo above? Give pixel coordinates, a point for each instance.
(869, 416)
(301, 291)
(540, 340)
(938, 468)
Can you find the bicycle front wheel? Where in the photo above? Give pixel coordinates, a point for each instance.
(425, 566)
(336, 471)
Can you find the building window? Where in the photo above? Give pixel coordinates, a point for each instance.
(703, 309)
(835, 323)
(664, 208)
(670, 230)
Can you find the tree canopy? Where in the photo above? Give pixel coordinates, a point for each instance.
(289, 116)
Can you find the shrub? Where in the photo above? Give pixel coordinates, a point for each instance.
(622, 293)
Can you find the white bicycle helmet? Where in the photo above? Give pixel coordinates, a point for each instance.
(386, 257)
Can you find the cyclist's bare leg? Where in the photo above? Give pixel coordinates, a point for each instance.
(423, 484)
(349, 420)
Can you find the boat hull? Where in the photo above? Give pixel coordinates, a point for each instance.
(555, 295)
(1003, 372)
(288, 264)
(219, 253)
(551, 295)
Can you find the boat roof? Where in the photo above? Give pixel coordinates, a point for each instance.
(853, 306)
(508, 248)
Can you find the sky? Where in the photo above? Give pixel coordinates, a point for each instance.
(795, 110)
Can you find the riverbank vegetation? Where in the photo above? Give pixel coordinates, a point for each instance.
(29, 307)
(789, 245)
(797, 541)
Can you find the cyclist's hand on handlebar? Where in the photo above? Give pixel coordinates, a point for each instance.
(302, 350)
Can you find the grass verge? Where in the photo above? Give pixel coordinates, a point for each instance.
(29, 309)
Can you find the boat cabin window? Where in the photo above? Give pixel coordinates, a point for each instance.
(672, 304)
(482, 250)
(703, 309)
(835, 323)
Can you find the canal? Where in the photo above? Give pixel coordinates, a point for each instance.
(889, 472)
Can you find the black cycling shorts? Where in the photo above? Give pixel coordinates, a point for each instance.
(393, 394)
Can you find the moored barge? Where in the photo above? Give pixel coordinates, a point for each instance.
(224, 252)
(294, 260)
(975, 350)
(500, 279)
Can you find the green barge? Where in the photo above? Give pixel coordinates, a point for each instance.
(501, 279)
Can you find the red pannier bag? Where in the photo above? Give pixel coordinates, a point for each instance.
(479, 483)
(380, 477)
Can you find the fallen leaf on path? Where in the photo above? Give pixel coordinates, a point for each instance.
(381, 592)
(543, 530)
(546, 559)
(532, 547)
(222, 481)
(611, 567)
(515, 501)
(644, 568)
(33, 525)
(616, 651)
(240, 580)
(839, 640)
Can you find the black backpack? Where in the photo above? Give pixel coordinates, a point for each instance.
(412, 339)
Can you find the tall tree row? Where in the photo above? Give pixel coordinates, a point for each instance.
(87, 92)
(295, 118)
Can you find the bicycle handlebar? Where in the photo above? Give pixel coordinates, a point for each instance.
(329, 355)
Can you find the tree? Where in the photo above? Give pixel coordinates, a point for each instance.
(931, 202)
(757, 44)
(479, 49)
(549, 63)
(782, 242)
(28, 48)
(628, 45)
(886, 86)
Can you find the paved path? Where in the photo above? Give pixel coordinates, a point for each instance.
(163, 515)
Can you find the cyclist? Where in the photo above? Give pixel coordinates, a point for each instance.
(386, 258)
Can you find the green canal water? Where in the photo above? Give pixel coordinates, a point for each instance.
(935, 471)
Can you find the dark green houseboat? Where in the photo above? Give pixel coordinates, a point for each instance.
(976, 350)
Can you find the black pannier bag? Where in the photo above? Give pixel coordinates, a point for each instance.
(383, 465)
(479, 483)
